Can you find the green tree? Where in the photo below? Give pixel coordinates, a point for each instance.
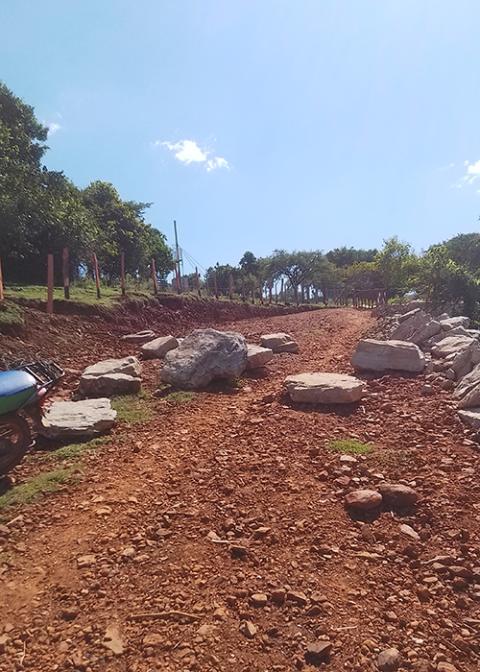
(396, 263)
(346, 256)
(464, 249)
(121, 227)
(443, 281)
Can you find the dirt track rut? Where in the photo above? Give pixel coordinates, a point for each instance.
(151, 518)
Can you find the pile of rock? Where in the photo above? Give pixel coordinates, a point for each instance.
(208, 354)
(451, 351)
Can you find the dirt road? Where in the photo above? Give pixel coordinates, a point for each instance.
(214, 536)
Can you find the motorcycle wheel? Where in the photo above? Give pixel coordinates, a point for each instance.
(15, 440)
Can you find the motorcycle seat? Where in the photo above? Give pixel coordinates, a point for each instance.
(13, 382)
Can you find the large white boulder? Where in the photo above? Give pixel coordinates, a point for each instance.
(373, 355)
(78, 419)
(205, 355)
(417, 327)
(324, 388)
(258, 356)
(279, 342)
(110, 377)
(158, 348)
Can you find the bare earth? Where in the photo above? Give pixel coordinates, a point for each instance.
(155, 510)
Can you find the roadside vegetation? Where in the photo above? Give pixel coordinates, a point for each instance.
(349, 447)
(36, 487)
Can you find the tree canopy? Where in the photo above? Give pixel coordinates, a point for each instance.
(42, 211)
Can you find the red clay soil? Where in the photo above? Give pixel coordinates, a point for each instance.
(214, 536)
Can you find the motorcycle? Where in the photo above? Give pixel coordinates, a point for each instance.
(22, 393)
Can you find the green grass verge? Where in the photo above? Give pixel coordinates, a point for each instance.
(11, 315)
(73, 450)
(36, 487)
(180, 397)
(85, 293)
(349, 447)
(133, 408)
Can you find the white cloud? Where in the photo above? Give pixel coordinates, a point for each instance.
(53, 127)
(189, 151)
(471, 175)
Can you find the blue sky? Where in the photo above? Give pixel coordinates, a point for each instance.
(262, 124)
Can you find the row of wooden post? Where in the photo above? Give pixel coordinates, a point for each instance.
(96, 275)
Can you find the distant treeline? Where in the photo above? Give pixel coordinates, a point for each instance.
(42, 211)
(446, 273)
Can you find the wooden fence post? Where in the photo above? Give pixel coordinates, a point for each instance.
(197, 282)
(96, 275)
(2, 296)
(282, 295)
(122, 272)
(153, 270)
(50, 284)
(66, 272)
(215, 287)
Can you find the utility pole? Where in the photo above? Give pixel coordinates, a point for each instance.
(177, 260)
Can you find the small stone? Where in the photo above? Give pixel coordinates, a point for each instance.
(409, 532)
(318, 652)
(297, 597)
(363, 500)
(238, 551)
(113, 640)
(397, 495)
(278, 596)
(261, 532)
(446, 667)
(152, 639)
(259, 600)
(248, 629)
(389, 660)
(86, 561)
(69, 613)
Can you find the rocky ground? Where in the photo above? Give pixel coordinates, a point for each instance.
(214, 535)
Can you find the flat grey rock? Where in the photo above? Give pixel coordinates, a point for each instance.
(417, 328)
(158, 348)
(78, 419)
(203, 356)
(110, 377)
(373, 355)
(451, 345)
(279, 342)
(324, 388)
(140, 337)
(258, 356)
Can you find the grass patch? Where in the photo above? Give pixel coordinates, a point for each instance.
(80, 293)
(40, 485)
(11, 315)
(349, 447)
(73, 450)
(133, 408)
(180, 397)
